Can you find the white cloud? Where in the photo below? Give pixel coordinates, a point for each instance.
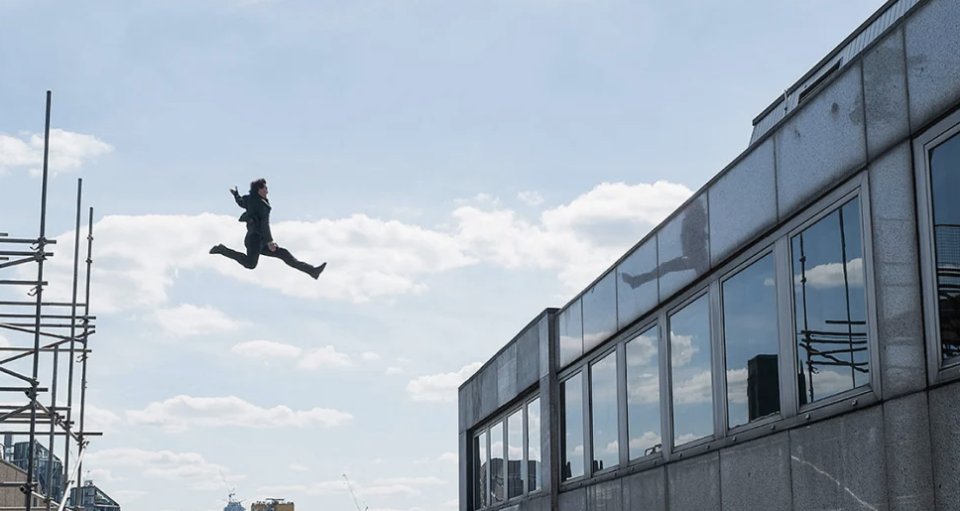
(189, 320)
(99, 419)
(296, 467)
(369, 356)
(532, 198)
(440, 387)
(261, 349)
(312, 359)
(646, 441)
(326, 356)
(448, 457)
(694, 390)
(685, 438)
(68, 151)
(830, 275)
(182, 413)
(682, 349)
(392, 370)
(737, 385)
(184, 468)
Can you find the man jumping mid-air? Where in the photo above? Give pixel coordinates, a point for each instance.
(259, 240)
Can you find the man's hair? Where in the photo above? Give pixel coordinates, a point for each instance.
(255, 186)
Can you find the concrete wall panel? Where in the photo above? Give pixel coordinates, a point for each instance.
(906, 428)
(646, 490)
(683, 247)
(900, 319)
(695, 484)
(537, 504)
(932, 38)
(489, 390)
(756, 475)
(885, 94)
(840, 463)
(638, 291)
(606, 496)
(507, 375)
(944, 411)
(573, 500)
(546, 344)
(528, 358)
(821, 143)
(743, 202)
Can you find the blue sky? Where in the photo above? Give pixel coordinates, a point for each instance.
(460, 165)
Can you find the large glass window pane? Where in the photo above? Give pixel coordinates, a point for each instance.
(515, 454)
(945, 182)
(603, 401)
(750, 343)
(496, 464)
(480, 463)
(571, 399)
(830, 304)
(643, 393)
(534, 458)
(691, 381)
(599, 312)
(571, 333)
(637, 291)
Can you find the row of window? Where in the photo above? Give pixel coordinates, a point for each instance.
(667, 376)
(507, 457)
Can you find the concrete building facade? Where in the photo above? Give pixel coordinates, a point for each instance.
(788, 339)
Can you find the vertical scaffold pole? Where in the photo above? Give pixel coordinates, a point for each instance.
(73, 335)
(41, 246)
(86, 339)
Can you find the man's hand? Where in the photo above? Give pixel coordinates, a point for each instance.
(233, 191)
(272, 246)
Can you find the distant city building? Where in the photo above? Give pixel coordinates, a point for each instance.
(234, 504)
(92, 499)
(19, 456)
(272, 505)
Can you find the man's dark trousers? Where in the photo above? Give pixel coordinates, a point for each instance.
(256, 247)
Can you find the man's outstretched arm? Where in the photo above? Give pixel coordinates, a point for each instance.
(238, 198)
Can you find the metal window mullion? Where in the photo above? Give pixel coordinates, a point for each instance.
(524, 471)
(870, 286)
(666, 405)
(718, 361)
(789, 402)
(928, 264)
(488, 491)
(587, 408)
(623, 435)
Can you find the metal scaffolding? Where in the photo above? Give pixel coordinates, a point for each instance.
(64, 328)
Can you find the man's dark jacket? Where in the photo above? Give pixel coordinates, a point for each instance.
(257, 215)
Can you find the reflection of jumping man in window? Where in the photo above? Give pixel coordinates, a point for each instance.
(693, 239)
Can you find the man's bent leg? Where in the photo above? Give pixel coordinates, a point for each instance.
(248, 260)
(291, 261)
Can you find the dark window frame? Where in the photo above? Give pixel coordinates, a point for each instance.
(938, 370)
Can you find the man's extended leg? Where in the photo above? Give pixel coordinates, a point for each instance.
(285, 256)
(248, 260)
